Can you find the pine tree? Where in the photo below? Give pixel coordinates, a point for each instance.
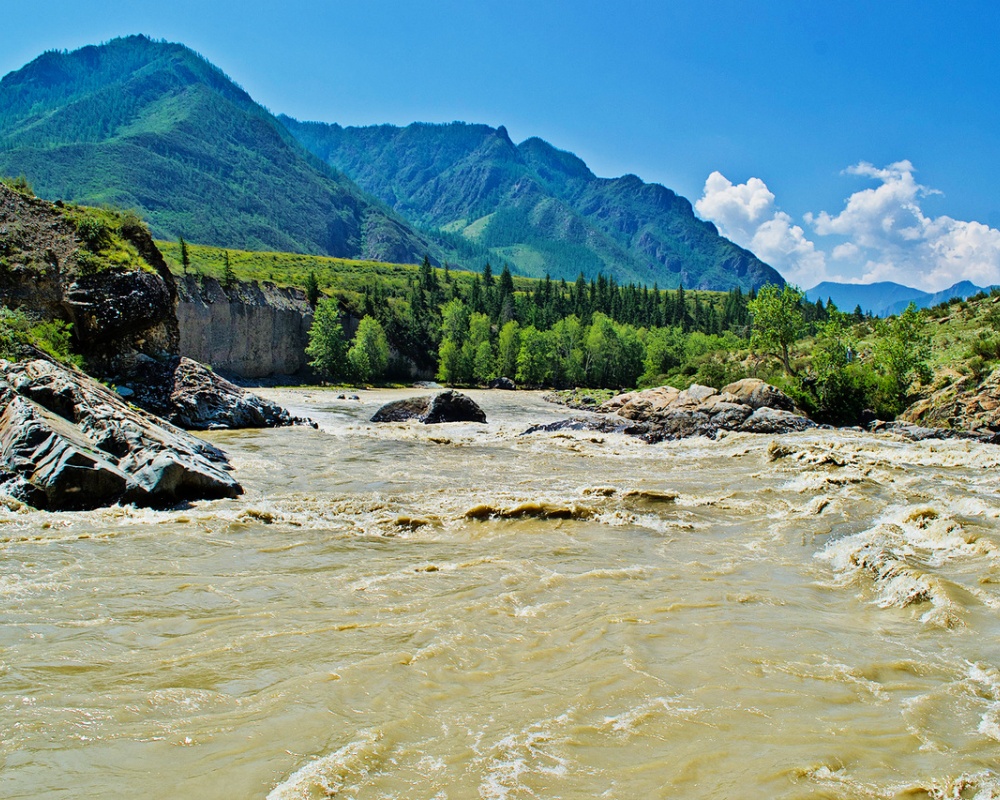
(185, 258)
(312, 289)
(228, 276)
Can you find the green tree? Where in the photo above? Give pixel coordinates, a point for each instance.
(480, 349)
(842, 386)
(533, 357)
(567, 352)
(602, 349)
(312, 288)
(327, 346)
(228, 275)
(369, 354)
(901, 350)
(185, 257)
(508, 347)
(777, 322)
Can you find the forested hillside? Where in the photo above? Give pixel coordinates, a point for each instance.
(155, 127)
(539, 208)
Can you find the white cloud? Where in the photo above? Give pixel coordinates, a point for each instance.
(896, 240)
(746, 213)
(883, 233)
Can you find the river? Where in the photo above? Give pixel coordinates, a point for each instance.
(459, 611)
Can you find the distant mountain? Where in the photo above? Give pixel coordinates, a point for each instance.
(539, 208)
(886, 298)
(154, 126)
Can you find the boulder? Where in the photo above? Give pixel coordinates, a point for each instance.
(775, 420)
(448, 406)
(503, 383)
(758, 394)
(202, 401)
(67, 442)
(192, 396)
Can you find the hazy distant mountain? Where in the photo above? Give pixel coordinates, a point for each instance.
(886, 298)
(535, 206)
(154, 126)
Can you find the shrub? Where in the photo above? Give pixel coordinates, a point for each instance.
(93, 233)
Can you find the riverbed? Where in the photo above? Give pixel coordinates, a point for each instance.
(459, 611)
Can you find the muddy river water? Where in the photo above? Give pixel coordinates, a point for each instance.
(458, 611)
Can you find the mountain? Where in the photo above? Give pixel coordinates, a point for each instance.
(154, 126)
(539, 208)
(887, 298)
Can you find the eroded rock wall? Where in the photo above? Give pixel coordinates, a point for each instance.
(248, 330)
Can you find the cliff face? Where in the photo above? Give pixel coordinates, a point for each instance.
(247, 330)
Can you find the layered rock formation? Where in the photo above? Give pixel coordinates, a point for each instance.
(117, 311)
(248, 330)
(67, 442)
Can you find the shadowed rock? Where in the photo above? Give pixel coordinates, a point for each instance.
(67, 442)
(449, 406)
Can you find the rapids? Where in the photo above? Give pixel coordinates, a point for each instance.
(459, 611)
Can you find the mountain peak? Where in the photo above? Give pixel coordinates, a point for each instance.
(155, 126)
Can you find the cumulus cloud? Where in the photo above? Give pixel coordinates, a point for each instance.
(747, 214)
(896, 240)
(882, 233)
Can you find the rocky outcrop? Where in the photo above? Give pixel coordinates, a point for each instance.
(124, 315)
(67, 442)
(665, 413)
(503, 383)
(116, 311)
(247, 330)
(962, 406)
(448, 406)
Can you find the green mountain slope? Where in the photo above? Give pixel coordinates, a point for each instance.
(154, 126)
(533, 205)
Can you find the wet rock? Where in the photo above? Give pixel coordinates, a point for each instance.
(503, 383)
(70, 443)
(203, 401)
(453, 406)
(403, 410)
(775, 420)
(191, 396)
(681, 424)
(669, 414)
(448, 406)
(597, 425)
(920, 433)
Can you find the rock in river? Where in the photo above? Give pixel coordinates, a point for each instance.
(67, 442)
(449, 406)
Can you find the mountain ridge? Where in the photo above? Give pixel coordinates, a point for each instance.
(538, 206)
(155, 126)
(886, 298)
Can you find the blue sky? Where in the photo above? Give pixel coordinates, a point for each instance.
(845, 140)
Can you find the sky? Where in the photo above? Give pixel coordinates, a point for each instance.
(840, 140)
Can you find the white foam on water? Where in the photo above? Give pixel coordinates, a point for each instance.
(532, 751)
(984, 785)
(328, 775)
(630, 721)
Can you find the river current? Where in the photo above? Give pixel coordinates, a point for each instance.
(459, 611)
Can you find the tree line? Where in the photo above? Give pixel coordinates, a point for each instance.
(600, 334)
